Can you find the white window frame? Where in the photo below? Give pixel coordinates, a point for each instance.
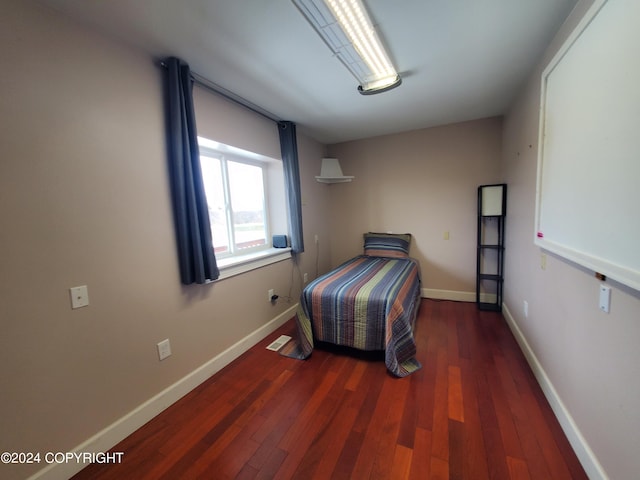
(236, 262)
(225, 159)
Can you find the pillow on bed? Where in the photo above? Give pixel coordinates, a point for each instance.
(393, 245)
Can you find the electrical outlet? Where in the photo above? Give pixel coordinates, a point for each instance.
(79, 296)
(164, 349)
(270, 294)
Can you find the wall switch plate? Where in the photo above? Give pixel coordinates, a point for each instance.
(305, 277)
(605, 298)
(270, 294)
(164, 349)
(79, 296)
(445, 235)
(525, 308)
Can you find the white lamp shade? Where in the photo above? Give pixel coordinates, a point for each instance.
(330, 172)
(492, 200)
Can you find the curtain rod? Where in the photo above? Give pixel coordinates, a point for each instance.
(229, 95)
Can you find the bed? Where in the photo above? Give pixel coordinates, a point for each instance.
(369, 303)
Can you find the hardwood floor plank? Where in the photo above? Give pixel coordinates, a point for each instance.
(474, 411)
(533, 454)
(426, 390)
(453, 350)
(215, 441)
(167, 456)
(388, 440)
(541, 417)
(340, 429)
(420, 459)
(356, 375)
(456, 450)
(237, 453)
(454, 391)
(409, 421)
(475, 452)
(301, 427)
(440, 432)
(373, 386)
(307, 430)
(272, 465)
(267, 458)
(281, 412)
(436, 331)
(296, 453)
(401, 463)
(465, 319)
(346, 462)
(247, 473)
(439, 469)
(490, 428)
(373, 435)
(334, 412)
(506, 424)
(518, 469)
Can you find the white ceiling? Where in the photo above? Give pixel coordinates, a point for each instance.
(459, 59)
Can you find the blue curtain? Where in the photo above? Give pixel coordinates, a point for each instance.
(289, 151)
(191, 213)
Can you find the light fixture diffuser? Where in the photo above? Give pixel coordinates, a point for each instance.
(346, 28)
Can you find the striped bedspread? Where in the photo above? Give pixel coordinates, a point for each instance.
(367, 303)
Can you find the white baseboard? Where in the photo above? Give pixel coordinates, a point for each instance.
(456, 295)
(448, 295)
(584, 453)
(125, 426)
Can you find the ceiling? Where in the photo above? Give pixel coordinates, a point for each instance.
(459, 59)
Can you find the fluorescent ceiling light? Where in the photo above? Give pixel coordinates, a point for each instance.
(347, 30)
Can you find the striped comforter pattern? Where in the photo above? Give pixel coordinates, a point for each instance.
(367, 303)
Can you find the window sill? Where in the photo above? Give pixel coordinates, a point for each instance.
(230, 267)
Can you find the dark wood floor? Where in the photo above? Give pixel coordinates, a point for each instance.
(474, 411)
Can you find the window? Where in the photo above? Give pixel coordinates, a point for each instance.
(245, 203)
(235, 193)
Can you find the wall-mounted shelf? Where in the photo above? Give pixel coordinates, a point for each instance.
(330, 172)
(492, 210)
(334, 179)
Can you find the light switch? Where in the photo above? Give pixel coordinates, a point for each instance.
(164, 349)
(79, 296)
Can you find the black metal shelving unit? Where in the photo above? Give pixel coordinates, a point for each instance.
(492, 210)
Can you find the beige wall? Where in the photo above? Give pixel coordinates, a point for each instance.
(423, 182)
(591, 358)
(84, 200)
